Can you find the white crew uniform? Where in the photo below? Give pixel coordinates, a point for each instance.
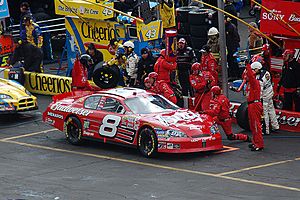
(267, 96)
(132, 66)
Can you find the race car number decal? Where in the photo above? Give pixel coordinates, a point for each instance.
(109, 125)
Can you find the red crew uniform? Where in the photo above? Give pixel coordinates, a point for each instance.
(201, 82)
(164, 68)
(80, 77)
(209, 63)
(255, 109)
(219, 110)
(163, 88)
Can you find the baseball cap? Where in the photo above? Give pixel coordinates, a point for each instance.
(182, 40)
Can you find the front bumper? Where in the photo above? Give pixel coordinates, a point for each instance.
(190, 145)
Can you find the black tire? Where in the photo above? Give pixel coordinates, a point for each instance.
(197, 43)
(147, 142)
(73, 130)
(183, 28)
(199, 31)
(106, 76)
(242, 116)
(200, 17)
(182, 13)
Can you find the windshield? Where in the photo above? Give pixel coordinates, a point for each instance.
(149, 104)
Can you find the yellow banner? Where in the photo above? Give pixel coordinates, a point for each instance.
(151, 31)
(84, 9)
(94, 31)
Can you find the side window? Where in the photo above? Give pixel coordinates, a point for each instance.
(112, 105)
(92, 102)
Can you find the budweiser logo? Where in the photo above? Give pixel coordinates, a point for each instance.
(294, 18)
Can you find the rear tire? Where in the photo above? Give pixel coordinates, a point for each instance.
(242, 116)
(73, 130)
(147, 142)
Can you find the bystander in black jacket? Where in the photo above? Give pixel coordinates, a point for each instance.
(145, 65)
(229, 7)
(30, 54)
(96, 56)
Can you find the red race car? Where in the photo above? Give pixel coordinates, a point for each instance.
(133, 117)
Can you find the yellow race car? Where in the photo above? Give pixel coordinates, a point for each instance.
(15, 98)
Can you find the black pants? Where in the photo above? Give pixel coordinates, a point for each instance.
(233, 67)
(289, 100)
(183, 76)
(35, 65)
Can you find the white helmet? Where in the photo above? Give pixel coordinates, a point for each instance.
(256, 65)
(212, 31)
(128, 44)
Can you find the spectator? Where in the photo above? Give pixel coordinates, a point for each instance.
(185, 58)
(131, 63)
(257, 9)
(254, 39)
(30, 54)
(145, 65)
(32, 32)
(213, 42)
(290, 80)
(229, 7)
(25, 11)
(96, 56)
(232, 43)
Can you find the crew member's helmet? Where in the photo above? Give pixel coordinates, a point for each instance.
(196, 66)
(205, 49)
(265, 47)
(86, 60)
(216, 90)
(256, 65)
(147, 80)
(128, 44)
(153, 75)
(163, 52)
(212, 31)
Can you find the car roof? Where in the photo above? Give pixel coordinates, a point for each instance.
(125, 92)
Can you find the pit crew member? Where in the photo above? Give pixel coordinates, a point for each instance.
(267, 93)
(161, 87)
(32, 32)
(208, 62)
(131, 63)
(164, 68)
(219, 110)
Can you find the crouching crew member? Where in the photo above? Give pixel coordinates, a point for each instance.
(159, 87)
(219, 110)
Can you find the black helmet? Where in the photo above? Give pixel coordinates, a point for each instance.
(85, 60)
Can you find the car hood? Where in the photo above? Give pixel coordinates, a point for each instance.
(184, 120)
(15, 90)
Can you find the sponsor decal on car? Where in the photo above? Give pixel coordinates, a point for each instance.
(131, 122)
(86, 124)
(162, 145)
(51, 114)
(50, 121)
(85, 133)
(69, 109)
(170, 146)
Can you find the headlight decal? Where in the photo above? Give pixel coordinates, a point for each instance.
(214, 129)
(5, 96)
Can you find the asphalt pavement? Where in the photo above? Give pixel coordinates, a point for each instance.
(36, 162)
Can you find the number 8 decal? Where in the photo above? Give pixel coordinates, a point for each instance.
(109, 125)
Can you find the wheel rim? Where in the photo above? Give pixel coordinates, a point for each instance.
(73, 130)
(146, 143)
(105, 77)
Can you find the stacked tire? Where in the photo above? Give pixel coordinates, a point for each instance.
(183, 26)
(200, 22)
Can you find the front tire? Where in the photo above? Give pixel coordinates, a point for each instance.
(147, 142)
(73, 130)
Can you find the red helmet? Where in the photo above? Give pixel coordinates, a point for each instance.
(153, 75)
(216, 90)
(147, 80)
(163, 52)
(265, 47)
(196, 66)
(257, 58)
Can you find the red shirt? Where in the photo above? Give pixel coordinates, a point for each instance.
(163, 88)
(219, 107)
(199, 81)
(79, 77)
